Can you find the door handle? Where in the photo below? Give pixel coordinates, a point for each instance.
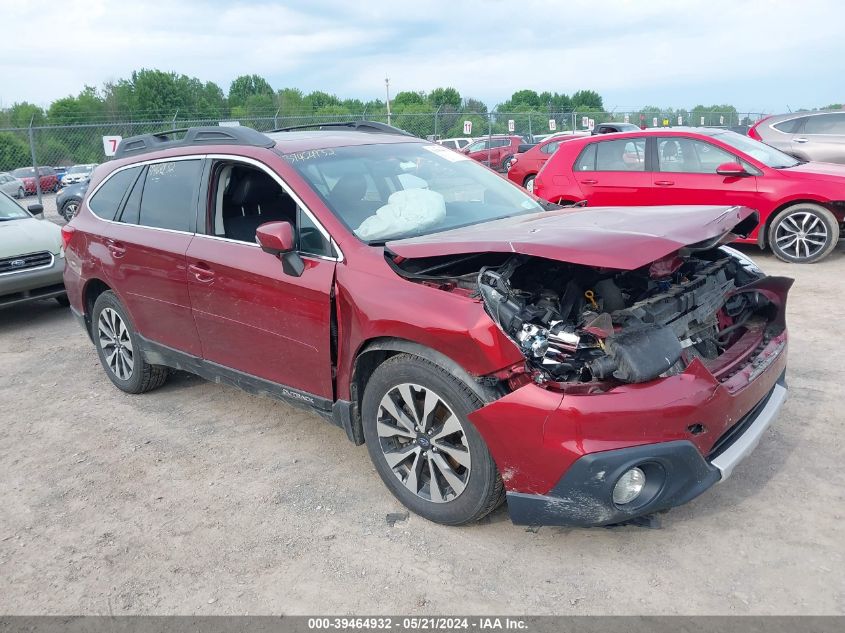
(589, 181)
(117, 249)
(800, 139)
(202, 272)
(664, 183)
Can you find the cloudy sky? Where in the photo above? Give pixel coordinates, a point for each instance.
(760, 56)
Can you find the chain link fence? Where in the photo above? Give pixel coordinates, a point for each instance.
(53, 148)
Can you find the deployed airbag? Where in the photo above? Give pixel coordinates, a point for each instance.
(406, 212)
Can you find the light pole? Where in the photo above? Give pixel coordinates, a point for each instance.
(387, 90)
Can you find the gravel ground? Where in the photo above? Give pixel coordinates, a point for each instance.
(200, 499)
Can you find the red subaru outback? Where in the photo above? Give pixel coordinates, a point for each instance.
(589, 366)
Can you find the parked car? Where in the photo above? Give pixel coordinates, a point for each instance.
(801, 205)
(525, 166)
(809, 136)
(498, 150)
(455, 143)
(611, 128)
(582, 363)
(77, 174)
(69, 198)
(31, 256)
(12, 186)
(60, 172)
(47, 176)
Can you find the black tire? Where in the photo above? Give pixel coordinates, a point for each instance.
(143, 376)
(483, 489)
(818, 226)
(506, 163)
(529, 182)
(63, 301)
(69, 209)
(21, 194)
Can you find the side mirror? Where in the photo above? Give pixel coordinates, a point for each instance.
(277, 238)
(732, 170)
(36, 209)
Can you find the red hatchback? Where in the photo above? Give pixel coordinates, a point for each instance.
(801, 205)
(495, 151)
(524, 167)
(46, 176)
(589, 366)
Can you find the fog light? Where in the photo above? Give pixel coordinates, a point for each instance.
(629, 486)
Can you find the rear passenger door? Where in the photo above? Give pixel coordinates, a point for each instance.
(144, 248)
(613, 172)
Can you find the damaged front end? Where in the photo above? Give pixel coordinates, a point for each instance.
(597, 327)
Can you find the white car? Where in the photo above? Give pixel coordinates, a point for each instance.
(455, 143)
(78, 173)
(12, 186)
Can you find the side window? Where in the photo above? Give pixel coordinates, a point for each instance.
(790, 126)
(684, 155)
(825, 124)
(477, 146)
(501, 142)
(311, 239)
(131, 213)
(169, 197)
(550, 148)
(587, 160)
(106, 201)
(621, 155)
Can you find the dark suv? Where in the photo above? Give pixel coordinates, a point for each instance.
(592, 365)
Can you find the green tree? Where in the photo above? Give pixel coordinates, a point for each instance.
(290, 100)
(445, 97)
(246, 86)
(14, 151)
(319, 99)
(587, 101)
(408, 98)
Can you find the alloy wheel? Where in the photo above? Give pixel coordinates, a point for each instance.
(529, 184)
(801, 234)
(423, 442)
(70, 209)
(116, 343)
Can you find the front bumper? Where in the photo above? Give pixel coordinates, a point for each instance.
(676, 472)
(31, 285)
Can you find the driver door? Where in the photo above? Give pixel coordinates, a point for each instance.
(251, 316)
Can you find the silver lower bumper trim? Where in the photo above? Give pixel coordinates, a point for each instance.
(747, 442)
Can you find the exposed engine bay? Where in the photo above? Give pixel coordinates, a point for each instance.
(581, 324)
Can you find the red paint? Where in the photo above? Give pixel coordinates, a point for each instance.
(529, 164)
(497, 154)
(767, 192)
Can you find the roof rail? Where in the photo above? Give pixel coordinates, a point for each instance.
(358, 126)
(207, 135)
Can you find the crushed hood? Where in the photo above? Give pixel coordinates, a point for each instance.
(625, 238)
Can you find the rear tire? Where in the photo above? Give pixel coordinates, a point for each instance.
(119, 348)
(803, 233)
(529, 183)
(425, 450)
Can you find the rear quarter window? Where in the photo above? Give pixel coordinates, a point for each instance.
(587, 159)
(105, 202)
(791, 126)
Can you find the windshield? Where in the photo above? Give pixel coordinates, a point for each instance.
(397, 190)
(10, 210)
(769, 156)
(79, 169)
(23, 172)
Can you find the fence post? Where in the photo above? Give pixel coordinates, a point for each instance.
(276, 119)
(173, 124)
(35, 162)
(435, 121)
(530, 131)
(489, 135)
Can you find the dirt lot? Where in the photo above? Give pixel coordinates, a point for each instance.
(201, 499)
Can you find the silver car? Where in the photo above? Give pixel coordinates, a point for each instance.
(811, 136)
(77, 173)
(31, 256)
(12, 186)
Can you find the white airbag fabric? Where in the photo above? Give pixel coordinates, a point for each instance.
(406, 211)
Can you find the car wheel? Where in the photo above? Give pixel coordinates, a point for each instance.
(21, 194)
(506, 163)
(529, 184)
(69, 209)
(803, 233)
(118, 348)
(425, 450)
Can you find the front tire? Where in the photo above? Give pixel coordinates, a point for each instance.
(803, 233)
(119, 349)
(21, 194)
(423, 446)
